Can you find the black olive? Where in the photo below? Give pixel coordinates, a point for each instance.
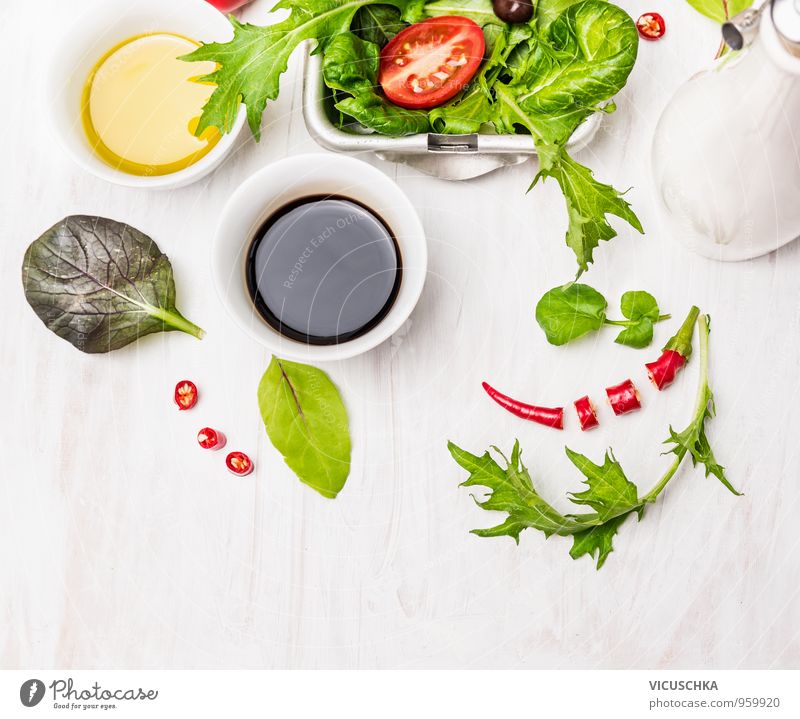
(513, 11)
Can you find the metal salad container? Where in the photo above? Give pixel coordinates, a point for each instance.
(450, 157)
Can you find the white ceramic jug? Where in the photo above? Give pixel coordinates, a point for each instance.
(726, 152)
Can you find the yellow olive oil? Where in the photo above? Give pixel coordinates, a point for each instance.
(141, 106)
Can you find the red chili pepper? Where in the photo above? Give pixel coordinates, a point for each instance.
(552, 417)
(675, 354)
(209, 438)
(587, 416)
(623, 397)
(185, 394)
(239, 464)
(651, 26)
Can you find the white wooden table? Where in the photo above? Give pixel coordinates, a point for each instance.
(124, 545)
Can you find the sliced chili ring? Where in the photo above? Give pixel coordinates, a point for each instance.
(623, 397)
(587, 415)
(651, 26)
(239, 463)
(209, 438)
(185, 394)
(662, 372)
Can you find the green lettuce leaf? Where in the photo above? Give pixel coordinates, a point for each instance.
(638, 304)
(609, 492)
(464, 116)
(573, 310)
(568, 312)
(474, 108)
(479, 11)
(378, 23)
(374, 112)
(720, 10)
(559, 78)
(544, 78)
(638, 335)
(251, 64)
(307, 423)
(588, 202)
(548, 10)
(101, 284)
(512, 491)
(641, 310)
(597, 542)
(350, 65)
(693, 440)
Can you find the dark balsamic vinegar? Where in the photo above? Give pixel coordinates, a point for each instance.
(323, 270)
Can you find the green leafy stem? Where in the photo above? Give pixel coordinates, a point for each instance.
(609, 493)
(573, 310)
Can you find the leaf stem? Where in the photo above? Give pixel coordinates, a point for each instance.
(699, 411)
(681, 342)
(177, 321)
(631, 323)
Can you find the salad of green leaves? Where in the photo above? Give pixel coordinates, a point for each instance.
(542, 78)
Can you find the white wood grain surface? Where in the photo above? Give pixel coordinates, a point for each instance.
(124, 545)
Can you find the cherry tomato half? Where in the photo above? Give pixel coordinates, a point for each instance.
(651, 26)
(239, 464)
(428, 63)
(185, 394)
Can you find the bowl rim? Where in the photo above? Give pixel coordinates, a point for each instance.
(254, 192)
(53, 86)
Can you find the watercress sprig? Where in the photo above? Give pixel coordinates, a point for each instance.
(609, 493)
(570, 311)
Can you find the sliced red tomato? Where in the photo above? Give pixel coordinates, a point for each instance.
(428, 63)
(185, 394)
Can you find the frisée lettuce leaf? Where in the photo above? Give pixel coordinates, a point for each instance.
(249, 66)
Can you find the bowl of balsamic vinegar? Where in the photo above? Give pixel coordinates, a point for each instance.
(319, 257)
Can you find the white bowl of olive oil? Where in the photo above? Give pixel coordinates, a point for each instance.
(125, 107)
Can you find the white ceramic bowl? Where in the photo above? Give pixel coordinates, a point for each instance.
(282, 182)
(96, 32)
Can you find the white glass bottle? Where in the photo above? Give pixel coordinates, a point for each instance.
(726, 152)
